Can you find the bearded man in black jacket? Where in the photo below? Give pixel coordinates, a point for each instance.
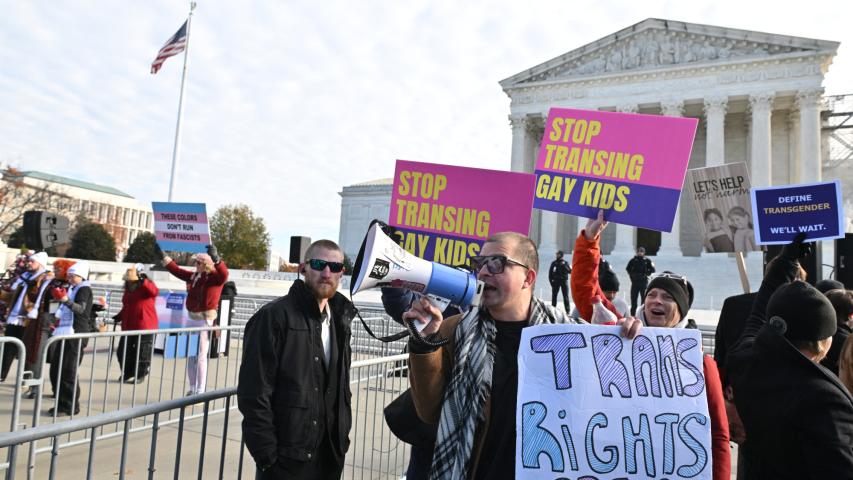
(293, 389)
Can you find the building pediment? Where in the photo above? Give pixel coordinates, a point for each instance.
(660, 44)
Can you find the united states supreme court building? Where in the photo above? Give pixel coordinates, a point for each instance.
(758, 96)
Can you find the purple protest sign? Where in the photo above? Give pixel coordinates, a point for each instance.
(780, 213)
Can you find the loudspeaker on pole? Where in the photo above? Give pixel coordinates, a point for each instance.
(44, 229)
(298, 247)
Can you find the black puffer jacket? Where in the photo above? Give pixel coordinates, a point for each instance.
(282, 378)
(798, 416)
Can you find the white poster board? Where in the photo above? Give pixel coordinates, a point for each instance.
(594, 405)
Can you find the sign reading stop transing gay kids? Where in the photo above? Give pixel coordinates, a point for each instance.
(444, 213)
(630, 165)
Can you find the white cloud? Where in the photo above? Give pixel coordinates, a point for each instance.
(287, 102)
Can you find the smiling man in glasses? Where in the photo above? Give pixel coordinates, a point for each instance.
(294, 389)
(477, 370)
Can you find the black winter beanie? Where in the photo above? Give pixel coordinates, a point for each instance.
(680, 289)
(608, 281)
(808, 314)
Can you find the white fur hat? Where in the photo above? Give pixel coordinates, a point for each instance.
(40, 257)
(81, 269)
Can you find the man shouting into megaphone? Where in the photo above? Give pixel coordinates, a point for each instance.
(470, 384)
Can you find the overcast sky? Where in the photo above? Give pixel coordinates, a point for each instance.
(288, 101)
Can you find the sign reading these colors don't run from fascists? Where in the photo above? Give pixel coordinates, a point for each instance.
(444, 213)
(631, 166)
(181, 227)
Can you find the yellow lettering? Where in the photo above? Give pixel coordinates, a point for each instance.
(411, 213)
(484, 219)
(594, 129)
(561, 157)
(579, 133)
(423, 217)
(423, 240)
(550, 149)
(586, 193)
(569, 123)
(622, 198)
(600, 161)
(450, 219)
(401, 209)
(542, 185)
(440, 185)
(567, 192)
(469, 218)
(440, 254)
(586, 161)
(403, 189)
(556, 187)
(636, 168)
(556, 132)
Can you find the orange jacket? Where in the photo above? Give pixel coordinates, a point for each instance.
(585, 277)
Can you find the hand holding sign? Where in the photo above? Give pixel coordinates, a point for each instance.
(594, 226)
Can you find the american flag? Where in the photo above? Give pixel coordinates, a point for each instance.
(175, 45)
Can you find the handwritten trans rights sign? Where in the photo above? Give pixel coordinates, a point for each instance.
(593, 405)
(444, 213)
(181, 227)
(781, 212)
(630, 165)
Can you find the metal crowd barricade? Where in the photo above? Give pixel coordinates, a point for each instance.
(375, 452)
(125, 417)
(95, 368)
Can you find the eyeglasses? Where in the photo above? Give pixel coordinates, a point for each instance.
(495, 264)
(674, 276)
(319, 265)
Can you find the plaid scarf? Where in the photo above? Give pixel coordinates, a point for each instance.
(471, 383)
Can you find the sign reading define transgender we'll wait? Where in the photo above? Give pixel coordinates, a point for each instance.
(181, 227)
(630, 165)
(443, 213)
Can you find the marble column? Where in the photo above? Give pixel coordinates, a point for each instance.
(624, 233)
(715, 120)
(761, 107)
(519, 125)
(670, 243)
(795, 166)
(808, 101)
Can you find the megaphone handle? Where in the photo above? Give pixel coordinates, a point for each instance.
(416, 334)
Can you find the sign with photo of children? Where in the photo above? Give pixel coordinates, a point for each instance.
(722, 200)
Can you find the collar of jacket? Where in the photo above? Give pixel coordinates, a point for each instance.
(772, 343)
(340, 306)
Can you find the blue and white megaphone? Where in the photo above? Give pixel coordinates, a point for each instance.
(381, 262)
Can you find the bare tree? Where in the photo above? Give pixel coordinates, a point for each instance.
(17, 196)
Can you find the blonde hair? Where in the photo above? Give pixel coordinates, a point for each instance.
(845, 364)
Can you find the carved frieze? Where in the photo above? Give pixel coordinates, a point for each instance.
(654, 48)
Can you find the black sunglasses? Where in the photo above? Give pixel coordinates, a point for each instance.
(319, 265)
(495, 264)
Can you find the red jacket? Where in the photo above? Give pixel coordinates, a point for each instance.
(584, 277)
(137, 307)
(202, 292)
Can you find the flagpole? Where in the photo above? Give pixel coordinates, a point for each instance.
(176, 150)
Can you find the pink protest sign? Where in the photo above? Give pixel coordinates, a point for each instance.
(630, 165)
(444, 213)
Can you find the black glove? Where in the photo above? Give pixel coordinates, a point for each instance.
(797, 249)
(158, 251)
(214, 253)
